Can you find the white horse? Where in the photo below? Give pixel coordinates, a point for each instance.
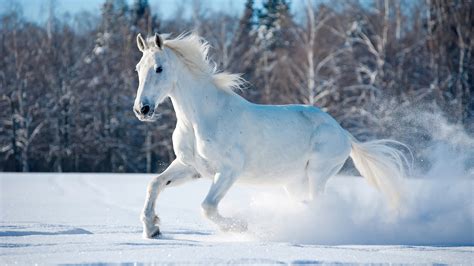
(221, 136)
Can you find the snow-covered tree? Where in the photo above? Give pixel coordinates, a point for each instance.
(67, 86)
(142, 18)
(275, 35)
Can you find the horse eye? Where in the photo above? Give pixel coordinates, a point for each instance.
(159, 69)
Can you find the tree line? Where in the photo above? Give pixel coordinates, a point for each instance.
(67, 86)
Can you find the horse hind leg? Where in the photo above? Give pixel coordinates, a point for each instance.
(329, 154)
(298, 189)
(318, 173)
(222, 183)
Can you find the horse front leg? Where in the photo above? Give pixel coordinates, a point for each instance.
(177, 173)
(221, 184)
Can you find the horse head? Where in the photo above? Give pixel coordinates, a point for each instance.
(155, 75)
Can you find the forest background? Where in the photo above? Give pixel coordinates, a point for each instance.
(382, 68)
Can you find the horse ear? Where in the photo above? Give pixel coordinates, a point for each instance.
(141, 43)
(158, 41)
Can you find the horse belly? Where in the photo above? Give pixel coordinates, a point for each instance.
(272, 177)
(278, 150)
(277, 165)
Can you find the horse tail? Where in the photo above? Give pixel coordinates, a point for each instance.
(382, 165)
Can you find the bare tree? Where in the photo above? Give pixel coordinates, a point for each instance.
(67, 86)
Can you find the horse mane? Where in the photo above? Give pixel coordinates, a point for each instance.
(193, 50)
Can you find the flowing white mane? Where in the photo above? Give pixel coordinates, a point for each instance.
(193, 51)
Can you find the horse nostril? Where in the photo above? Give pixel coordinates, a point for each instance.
(145, 109)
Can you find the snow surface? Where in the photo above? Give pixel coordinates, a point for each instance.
(93, 219)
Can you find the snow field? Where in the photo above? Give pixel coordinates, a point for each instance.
(93, 218)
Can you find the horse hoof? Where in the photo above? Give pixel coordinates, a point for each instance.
(152, 233)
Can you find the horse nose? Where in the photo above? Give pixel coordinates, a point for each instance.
(145, 109)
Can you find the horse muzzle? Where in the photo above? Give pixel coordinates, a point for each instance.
(144, 112)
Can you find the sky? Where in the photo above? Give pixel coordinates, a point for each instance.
(37, 10)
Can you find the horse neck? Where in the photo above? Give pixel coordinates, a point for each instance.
(197, 99)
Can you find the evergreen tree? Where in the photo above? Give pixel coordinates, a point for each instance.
(142, 19)
(274, 39)
(246, 22)
(274, 23)
(243, 44)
